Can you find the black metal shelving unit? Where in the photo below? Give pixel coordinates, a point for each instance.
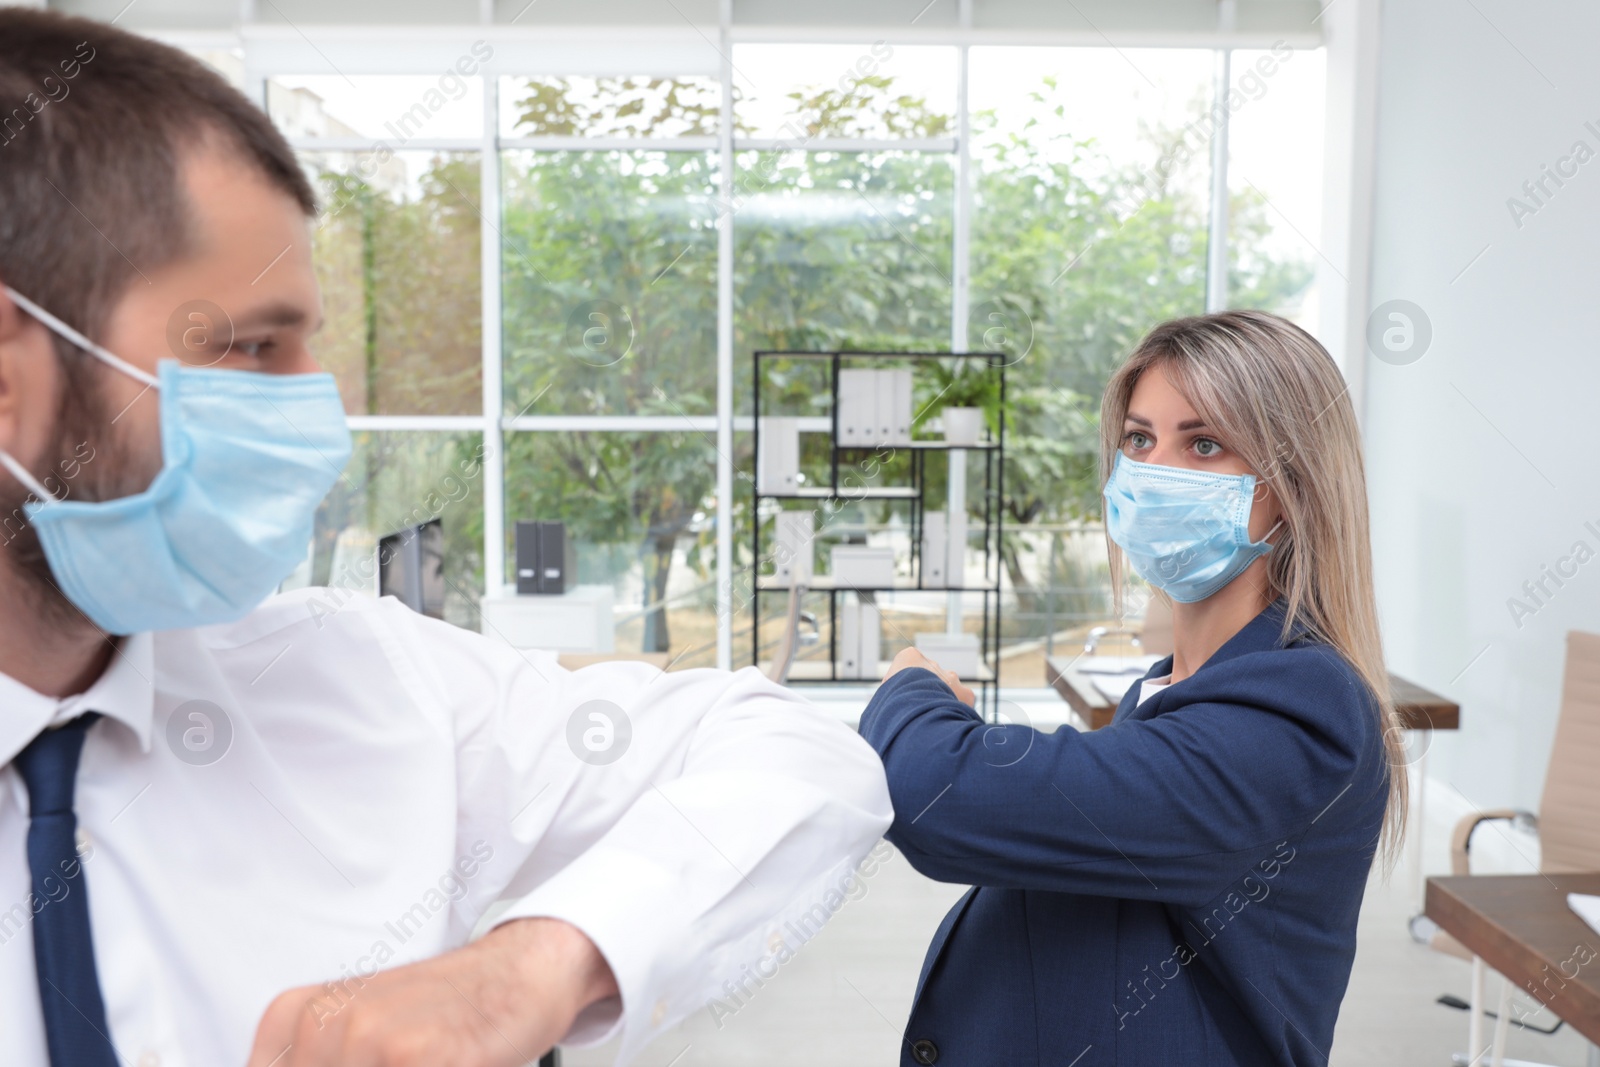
(986, 683)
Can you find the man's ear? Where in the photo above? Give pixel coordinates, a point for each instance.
(27, 378)
(12, 335)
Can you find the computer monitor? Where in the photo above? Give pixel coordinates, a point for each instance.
(411, 567)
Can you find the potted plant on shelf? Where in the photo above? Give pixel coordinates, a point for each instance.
(963, 394)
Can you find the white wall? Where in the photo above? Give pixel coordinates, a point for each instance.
(1483, 455)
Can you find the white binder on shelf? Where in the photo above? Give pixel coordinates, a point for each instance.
(896, 386)
(858, 406)
(871, 645)
(778, 467)
(860, 639)
(849, 664)
(863, 566)
(883, 394)
(934, 553)
(791, 547)
(953, 652)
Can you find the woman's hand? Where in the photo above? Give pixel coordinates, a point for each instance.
(911, 657)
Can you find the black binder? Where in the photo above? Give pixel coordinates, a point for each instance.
(541, 558)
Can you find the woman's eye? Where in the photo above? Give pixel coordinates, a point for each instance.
(1206, 447)
(1135, 438)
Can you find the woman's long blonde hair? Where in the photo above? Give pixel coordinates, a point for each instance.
(1276, 398)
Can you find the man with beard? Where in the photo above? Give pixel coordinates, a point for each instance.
(236, 826)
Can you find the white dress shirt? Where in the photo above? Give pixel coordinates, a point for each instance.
(388, 778)
(1151, 686)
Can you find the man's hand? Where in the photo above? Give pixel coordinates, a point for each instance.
(911, 657)
(501, 1001)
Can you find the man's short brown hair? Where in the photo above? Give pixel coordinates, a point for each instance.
(94, 127)
(94, 123)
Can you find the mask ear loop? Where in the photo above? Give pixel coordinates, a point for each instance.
(102, 354)
(50, 322)
(21, 474)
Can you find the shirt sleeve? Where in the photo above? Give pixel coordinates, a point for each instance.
(1168, 808)
(682, 820)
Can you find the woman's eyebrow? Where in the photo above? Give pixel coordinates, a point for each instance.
(1187, 424)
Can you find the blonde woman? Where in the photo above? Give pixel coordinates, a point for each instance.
(1182, 886)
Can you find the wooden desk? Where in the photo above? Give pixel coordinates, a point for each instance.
(1521, 926)
(1419, 709)
(1092, 706)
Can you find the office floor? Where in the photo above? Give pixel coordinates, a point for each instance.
(841, 1002)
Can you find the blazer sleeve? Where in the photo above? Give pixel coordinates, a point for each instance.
(1173, 808)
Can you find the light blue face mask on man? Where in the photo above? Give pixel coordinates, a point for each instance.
(1186, 532)
(246, 459)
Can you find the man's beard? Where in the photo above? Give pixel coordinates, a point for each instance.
(85, 463)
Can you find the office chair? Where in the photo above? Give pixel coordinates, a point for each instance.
(789, 644)
(1151, 636)
(1568, 825)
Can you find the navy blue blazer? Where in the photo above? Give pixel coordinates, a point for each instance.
(1179, 887)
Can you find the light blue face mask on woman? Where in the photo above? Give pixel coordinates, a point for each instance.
(1186, 532)
(246, 459)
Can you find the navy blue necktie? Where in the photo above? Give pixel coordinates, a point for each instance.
(63, 947)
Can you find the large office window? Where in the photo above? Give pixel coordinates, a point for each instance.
(843, 204)
(1091, 196)
(1275, 181)
(397, 248)
(609, 266)
(1049, 202)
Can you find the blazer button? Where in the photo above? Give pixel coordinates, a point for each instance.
(925, 1052)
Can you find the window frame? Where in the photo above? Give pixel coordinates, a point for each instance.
(270, 51)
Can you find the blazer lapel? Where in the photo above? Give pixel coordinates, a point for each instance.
(1260, 634)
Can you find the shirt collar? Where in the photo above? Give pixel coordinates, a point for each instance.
(125, 691)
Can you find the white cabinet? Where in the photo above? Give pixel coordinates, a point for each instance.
(581, 620)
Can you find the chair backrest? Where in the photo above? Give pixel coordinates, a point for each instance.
(789, 641)
(1155, 634)
(1569, 813)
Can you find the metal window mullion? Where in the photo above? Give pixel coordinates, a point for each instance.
(706, 424)
(377, 144)
(725, 348)
(494, 467)
(415, 423)
(1027, 37)
(960, 253)
(846, 144)
(1217, 230)
(960, 297)
(613, 144)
